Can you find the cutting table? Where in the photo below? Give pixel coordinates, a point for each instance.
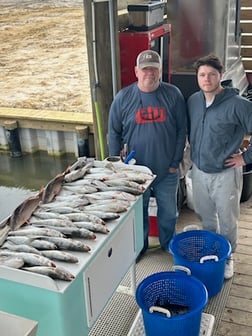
(71, 308)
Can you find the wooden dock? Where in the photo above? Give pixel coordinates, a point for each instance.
(236, 319)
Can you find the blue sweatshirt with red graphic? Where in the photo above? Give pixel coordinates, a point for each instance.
(152, 124)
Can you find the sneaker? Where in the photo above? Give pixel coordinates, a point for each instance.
(229, 268)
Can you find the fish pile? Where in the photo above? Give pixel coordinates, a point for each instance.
(67, 213)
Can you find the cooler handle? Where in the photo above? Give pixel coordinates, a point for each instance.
(181, 268)
(153, 309)
(209, 257)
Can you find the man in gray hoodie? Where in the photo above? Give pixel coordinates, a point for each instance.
(219, 118)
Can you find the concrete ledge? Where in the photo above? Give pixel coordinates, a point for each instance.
(46, 119)
(56, 132)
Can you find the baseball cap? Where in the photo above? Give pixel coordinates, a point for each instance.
(148, 58)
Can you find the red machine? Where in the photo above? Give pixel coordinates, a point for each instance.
(133, 42)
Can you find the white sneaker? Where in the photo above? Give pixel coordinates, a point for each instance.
(229, 268)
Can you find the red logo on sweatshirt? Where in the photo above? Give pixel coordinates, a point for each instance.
(150, 114)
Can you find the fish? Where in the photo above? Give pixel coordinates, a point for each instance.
(80, 182)
(113, 176)
(42, 244)
(75, 232)
(56, 273)
(126, 183)
(60, 255)
(35, 231)
(65, 209)
(23, 212)
(51, 221)
(137, 176)
(69, 244)
(48, 215)
(52, 188)
(110, 207)
(34, 241)
(11, 261)
(20, 239)
(80, 189)
(72, 197)
(20, 248)
(30, 258)
(130, 190)
(81, 162)
(92, 227)
(99, 184)
(78, 173)
(81, 216)
(52, 206)
(174, 309)
(103, 215)
(67, 203)
(108, 201)
(111, 194)
(4, 233)
(99, 170)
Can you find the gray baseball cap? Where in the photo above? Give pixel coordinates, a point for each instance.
(148, 58)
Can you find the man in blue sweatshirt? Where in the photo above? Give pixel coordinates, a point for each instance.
(219, 120)
(150, 117)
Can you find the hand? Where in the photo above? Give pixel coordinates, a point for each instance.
(172, 170)
(236, 160)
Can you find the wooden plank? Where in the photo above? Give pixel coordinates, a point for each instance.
(241, 291)
(244, 233)
(240, 257)
(244, 249)
(246, 14)
(232, 329)
(245, 223)
(246, 3)
(246, 217)
(239, 303)
(242, 280)
(242, 268)
(245, 241)
(238, 317)
(246, 27)
(246, 40)
(247, 64)
(246, 52)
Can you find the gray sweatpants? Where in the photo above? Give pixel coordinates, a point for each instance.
(216, 200)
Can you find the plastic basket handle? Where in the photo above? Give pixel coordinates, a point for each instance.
(153, 309)
(191, 227)
(209, 257)
(181, 268)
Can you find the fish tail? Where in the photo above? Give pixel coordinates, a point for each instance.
(3, 234)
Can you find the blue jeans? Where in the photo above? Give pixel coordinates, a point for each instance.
(165, 192)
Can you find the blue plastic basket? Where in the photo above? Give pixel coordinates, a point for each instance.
(166, 289)
(205, 254)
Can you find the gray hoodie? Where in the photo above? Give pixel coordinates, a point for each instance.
(216, 132)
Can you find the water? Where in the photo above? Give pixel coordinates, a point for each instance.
(24, 176)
